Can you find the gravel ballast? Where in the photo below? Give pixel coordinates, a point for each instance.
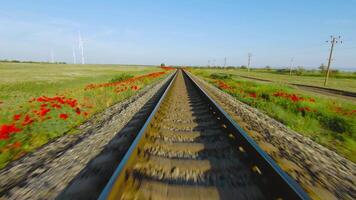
(321, 172)
(44, 173)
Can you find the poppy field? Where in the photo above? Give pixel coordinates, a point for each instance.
(329, 121)
(40, 102)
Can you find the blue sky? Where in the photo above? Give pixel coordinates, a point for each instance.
(184, 32)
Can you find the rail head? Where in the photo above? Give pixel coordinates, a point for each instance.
(291, 189)
(106, 193)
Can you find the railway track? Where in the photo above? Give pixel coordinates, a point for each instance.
(189, 148)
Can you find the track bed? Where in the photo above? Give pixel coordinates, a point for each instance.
(188, 152)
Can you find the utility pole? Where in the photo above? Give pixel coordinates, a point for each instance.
(208, 63)
(333, 40)
(224, 62)
(291, 66)
(213, 62)
(249, 61)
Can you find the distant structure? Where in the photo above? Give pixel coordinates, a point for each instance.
(81, 47)
(249, 61)
(291, 66)
(52, 56)
(333, 40)
(74, 56)
(224, 62)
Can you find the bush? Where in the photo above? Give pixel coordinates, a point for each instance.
(300, 71)
(120, 77)
(335, 123)
(243, 67)
(220, 76)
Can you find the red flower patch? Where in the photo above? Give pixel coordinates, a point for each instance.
(17, 117)
(43, 112)
(27, 121)
(7, 130)
(77, 110)
(16, 145)
(293, 97)
(63, 116)
(253, 95)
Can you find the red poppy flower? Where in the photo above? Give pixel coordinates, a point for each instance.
(7, 130)
(63, 116)
(27, 121)
(77, 110)
(253, 95)
(16, 144)
(17, 117)
(44, 112)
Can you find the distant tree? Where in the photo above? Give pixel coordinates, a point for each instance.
(268, 68)
(300, 70)
(322, 67)
(163, 65)
(243, 67)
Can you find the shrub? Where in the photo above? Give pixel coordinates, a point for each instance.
(120, 77)
(220, 76)
(335, 123)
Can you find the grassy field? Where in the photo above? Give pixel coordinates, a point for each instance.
(327, 120)
(341, 80)
(39, 102)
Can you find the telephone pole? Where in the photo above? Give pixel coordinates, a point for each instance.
(333, 40)
(208, 63)
(224, 62)
(249, 61)
(291, 66)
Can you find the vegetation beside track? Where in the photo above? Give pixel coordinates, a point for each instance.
(39, 102)
(338, 79)
(328, 121)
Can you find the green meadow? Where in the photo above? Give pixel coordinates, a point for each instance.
(40, 102)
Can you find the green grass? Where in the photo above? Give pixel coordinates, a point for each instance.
(22, 87)
(341, 80)
(328, 121)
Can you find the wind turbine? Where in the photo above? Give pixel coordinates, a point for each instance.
(81, 47)
(74, 56)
